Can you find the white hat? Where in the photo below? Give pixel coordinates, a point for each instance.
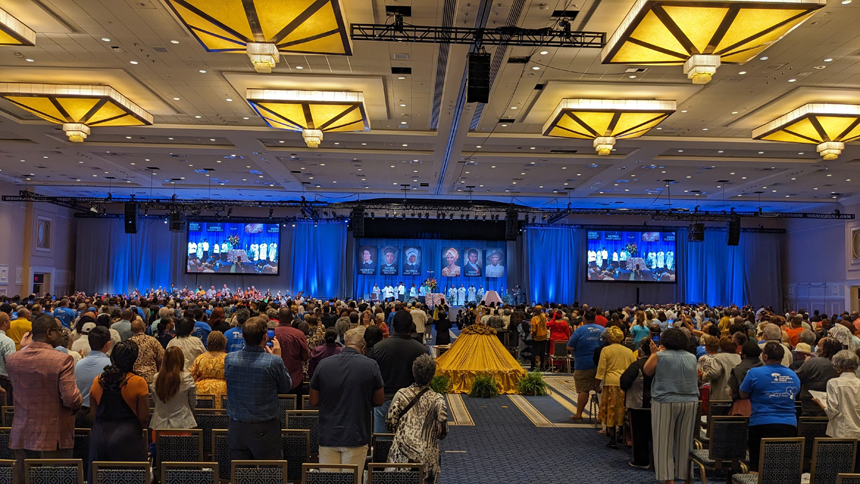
(412, 251)
(87, 327)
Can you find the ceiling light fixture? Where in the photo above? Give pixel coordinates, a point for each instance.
(76, 107)
(701, 35)
(605, 120)
(829, 126)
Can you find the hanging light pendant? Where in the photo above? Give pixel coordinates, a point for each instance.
(829, 126)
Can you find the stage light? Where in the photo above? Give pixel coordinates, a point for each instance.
(828, 125)
(76, 107)
(271, 211)
(703, 34)
(605, 120)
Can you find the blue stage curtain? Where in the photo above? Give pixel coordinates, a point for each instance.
(316, 258)
(552, 264)
(431, 254)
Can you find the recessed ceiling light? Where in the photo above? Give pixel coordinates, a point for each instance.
(513, 107)
(245, 117)
(764, 58)
(405, 145)
(564, 168)
(364, 144)
(792, 80)
(632, 77)
(704, 129)
(848, 179)
(504, 125)
(171, 139)
(793, 178)
(492, 166)
(299, 67)
(720, 151)
(229, 100)
(402, 77)
(828, 59)
(134, 63)
(734, 112)
(742, 72)
(211, 139)
(281, 141)
(689, 176)
(684, 111)
(176, 99)
(128, 137)
(337, 142)
(198, 117)
(174, 41)
(105, 39)
(402, 105)
(732, 173)
(81, 162)
(202, 71)
(761, 152)
(544, 52)
(800, 153)
(659, 128)
(743, 178)
(403, 122)
(479, 146)
(846, 2)
(531, 148)
(535, 68)
(30, 60)
(680, 151)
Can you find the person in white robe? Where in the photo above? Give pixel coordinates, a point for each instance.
(264, 251)
(192, 248)
(471, 295)
(273, 251)
(614, 256)
(480, 294)
(452, 296)
(255, 254)
(599, 259)
(461, 295)
(592, 256)
(623, 256)
(661, 259)
(670, 260)
(200, 250)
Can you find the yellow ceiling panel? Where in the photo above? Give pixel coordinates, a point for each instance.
(639, 131)
(41, 106)
(231, 13)
(217, 43)
(6, 39)
(323, 20)
(569, 123)
(557, 131)
(323, 113)
(599, 122)
(352, 117)
(197, 24)
(787, 137)
(292, 112)
(631, 53)
(109, 110)
(698, 24)
(852, 135)
(274, 15)
(355, 126)
(751, 21)
(653, 31)
(330, 44)
(127, 120)
(78, 107)
(630, 120)
(834, 125)
(279, 123)
(804, 127)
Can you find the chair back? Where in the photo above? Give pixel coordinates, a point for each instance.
(297, 449)
(205, 401)
(848, 479)
(221, 453)
(189, 472)
(5, 435)
(224, 401)
(7, 471)
(6, 415)
(305, 420)
(53, 471)
(401, 474)
(781, 461)
(179, 445)
(559, 348)
(728, 438)
(208, 420)
(306, 402)
(285, 402)
(124, 472)
(331, 474)
(831, 457)
(719, 408)
(810, 428)
(258, 471)
(381, 444)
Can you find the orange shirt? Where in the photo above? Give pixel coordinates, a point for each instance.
(134, 387)
(794, 335)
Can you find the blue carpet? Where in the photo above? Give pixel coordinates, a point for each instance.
(551, 409)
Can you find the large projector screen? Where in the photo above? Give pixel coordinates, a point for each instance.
(631, 255)
(232, 248)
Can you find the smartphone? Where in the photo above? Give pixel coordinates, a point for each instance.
(656, 339)
(271, 334)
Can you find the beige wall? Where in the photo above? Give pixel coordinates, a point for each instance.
(58, 261)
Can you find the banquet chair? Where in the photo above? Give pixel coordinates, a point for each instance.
(221, 454)
(7, 471)
(401, 474)
(5, 451)
(7, 414)
(285, 402)
(848, 479)
(811, 428)
(224, 401)
(189, 472)
(205, 401)
(208, 420)
(728, 446)
(781, 462)
(716, 408)
(297, 450)
(380, 445)
(305, 420)
(560, 353)
(178, 445)
(331, 474)
(120, 472)
(54, 471)
(831, 457)
(257, 471)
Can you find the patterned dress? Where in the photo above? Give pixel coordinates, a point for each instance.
(208, 373)
(418, 431)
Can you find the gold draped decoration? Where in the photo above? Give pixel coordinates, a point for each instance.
(478, 351)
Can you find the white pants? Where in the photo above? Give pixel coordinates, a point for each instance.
(343, 455)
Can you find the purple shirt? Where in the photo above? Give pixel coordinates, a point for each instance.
(320, 353)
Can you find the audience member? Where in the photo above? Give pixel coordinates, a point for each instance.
(614, 359)
(123, 326)
(637, 399)
(88, 369)
(235, 342)
(346, 387)
(771, 332)
(190, 345)
(174, 393)
(843, 398)
(46, 397)
(255, 376)
(719, 371)
(750, 358)
(294, 350)
(150, 353)
(418, 417)
(7, 347)
(582, 344)
(321, 352)
(164, 332)
(19, 327)
(540, 340)
(208, 369)
(815, 373)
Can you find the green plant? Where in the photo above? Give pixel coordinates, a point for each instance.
(440, 384)
(532, 384)
(484, 386)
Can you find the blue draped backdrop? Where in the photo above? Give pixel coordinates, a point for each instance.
(710, 272)
(431, 251)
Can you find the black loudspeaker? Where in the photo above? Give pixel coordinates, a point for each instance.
(356, 219)
(131, 218)
(478, 83)
(512, 225)
(733, 235)
(175, 222)
(697, 233)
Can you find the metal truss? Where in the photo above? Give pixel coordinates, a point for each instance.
(462, 35)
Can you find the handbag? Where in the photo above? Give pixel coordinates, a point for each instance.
(412, 403)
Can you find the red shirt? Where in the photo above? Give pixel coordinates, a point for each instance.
(794, 335)
(294, 350)
(599, 319)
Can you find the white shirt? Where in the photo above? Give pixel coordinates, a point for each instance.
(192, 248)
(605, 254)
(419, 317)
(494, 271)
(591, 256)
(843, 407)
(205, 246)
(401, 289)
(615, 257)
(224, 247)
(216, 248)
(264, 251)
(273, 249)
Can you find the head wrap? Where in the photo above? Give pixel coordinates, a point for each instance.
(615, 334)
(844, 336)
(453, 252)
(411, 251)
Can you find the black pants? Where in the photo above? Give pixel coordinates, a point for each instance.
(758, 432)
(255, 441)
(6, 384)
(539, 349)
(299, 392)
(640, 433)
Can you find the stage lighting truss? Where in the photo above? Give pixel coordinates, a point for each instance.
(513, 35)
(702, 34)
(829, 126)
(77, 108)
(264, 30)
(605, 120)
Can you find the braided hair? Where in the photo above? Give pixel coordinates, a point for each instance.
(122, 357)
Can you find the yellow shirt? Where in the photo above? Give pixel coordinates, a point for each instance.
(725, 324)
(614, 359)
(17, 329)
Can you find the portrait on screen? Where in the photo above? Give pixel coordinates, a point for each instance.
(412, 261)
(473, 263)
(450, 262)
(232, 248)
(253, 228)
(389, 264)
(367, 260)
(495, 266)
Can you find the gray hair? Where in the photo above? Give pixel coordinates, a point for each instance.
(242, 315)
(272, 313)
(165, 313)
(807, 337)
(423, 369)
(844, 361)
(772, 332)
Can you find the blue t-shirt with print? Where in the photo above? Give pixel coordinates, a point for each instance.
(772, 391)
(584, 341)
(235, 341)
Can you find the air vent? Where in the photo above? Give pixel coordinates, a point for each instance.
(152, 168)
(401, 56)
(402, 10)
(295, 172)
(401, 70)
(518, 60)
(539, 87)
(563, 151)
(163, 50)
(635, 69)
(424, 185)
(568, 14)
(507, 120)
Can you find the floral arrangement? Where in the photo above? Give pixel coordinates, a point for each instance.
(631, 249)
(234, 240)
(432, 284)
(478, 329)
